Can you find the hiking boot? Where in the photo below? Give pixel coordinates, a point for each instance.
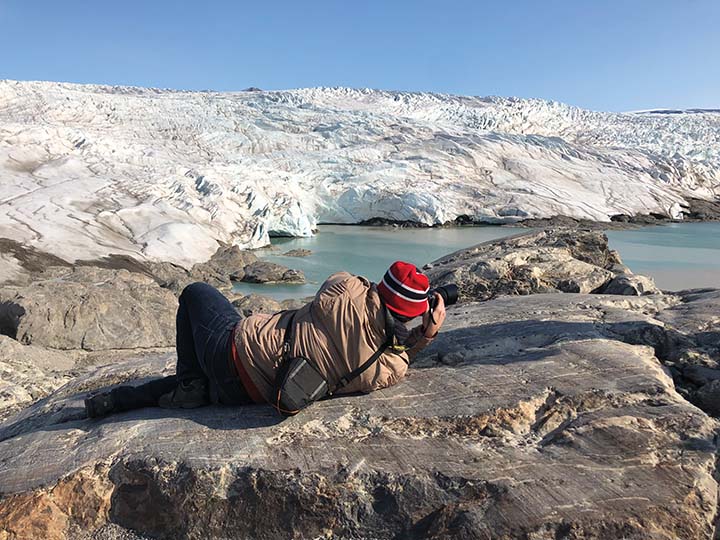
(99, 405)
(187, 395)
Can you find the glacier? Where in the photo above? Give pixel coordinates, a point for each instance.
(89, 170)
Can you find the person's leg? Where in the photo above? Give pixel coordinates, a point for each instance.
(143, 395)
(205, 320)
(126, 397)
(230, 390)
(188, 365)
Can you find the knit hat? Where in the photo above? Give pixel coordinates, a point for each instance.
(404, 289)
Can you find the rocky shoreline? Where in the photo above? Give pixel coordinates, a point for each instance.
(566, 398)
(697, 211)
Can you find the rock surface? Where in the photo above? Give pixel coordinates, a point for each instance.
(255, 303)
(298, 253)
(222, 269)
(528, 417)
(628, 284)
(269, 272)
(703, 210)
(552, 260)
(537, 416)
(21, 264)
(89, 308)
(28, 373)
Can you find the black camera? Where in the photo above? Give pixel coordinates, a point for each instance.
(448, 292)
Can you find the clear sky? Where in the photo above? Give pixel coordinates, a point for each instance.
(601, 54)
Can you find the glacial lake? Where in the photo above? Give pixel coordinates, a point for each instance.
(677, 256)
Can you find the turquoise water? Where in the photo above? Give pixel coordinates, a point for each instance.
(366, 251)
(678, 256)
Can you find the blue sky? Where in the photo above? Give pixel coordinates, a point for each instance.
(600, 54)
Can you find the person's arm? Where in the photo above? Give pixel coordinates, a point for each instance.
(421, 336)
(416, 342)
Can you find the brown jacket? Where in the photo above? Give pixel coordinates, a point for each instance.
(339, 330)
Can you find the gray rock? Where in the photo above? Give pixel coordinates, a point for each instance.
(702, 210)
(298, 253)
(540, 262)
(21, 265)
(28, 373)
(528, 417)
(630, 284)
(221, 270)
(697, 315)
(170, 276)
(225, 266)
(708, 397)
(255, 303)
(89, 308)
(295, 303)
(268, 272)
(700, 375)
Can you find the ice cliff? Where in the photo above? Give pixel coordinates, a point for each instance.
(167, 175)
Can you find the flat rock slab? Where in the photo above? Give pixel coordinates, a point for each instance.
(527, 418)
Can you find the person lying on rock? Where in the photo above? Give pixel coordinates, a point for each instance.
(224, 358)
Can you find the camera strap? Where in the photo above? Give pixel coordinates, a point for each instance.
(289, 334)
(346, 379)
(389, 335)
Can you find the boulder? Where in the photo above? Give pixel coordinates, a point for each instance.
(269, 272)
(255, 303)
(528, 417)
(221, 270)
(298, 253)
(89, 308)
(170, 276)
(225, 266)
(630, 284)
(554, 260)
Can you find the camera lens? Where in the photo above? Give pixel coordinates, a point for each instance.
(448, 292)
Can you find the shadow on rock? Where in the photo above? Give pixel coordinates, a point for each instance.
(55, 417)
(230, 417)
(503, 343)
(10, 315)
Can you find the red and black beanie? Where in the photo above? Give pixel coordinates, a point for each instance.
(404, 289)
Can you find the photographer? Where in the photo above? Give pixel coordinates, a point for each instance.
(351, 338)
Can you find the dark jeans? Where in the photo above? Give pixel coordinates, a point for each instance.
(204, 323)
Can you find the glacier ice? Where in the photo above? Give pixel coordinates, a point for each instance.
(169, 175)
